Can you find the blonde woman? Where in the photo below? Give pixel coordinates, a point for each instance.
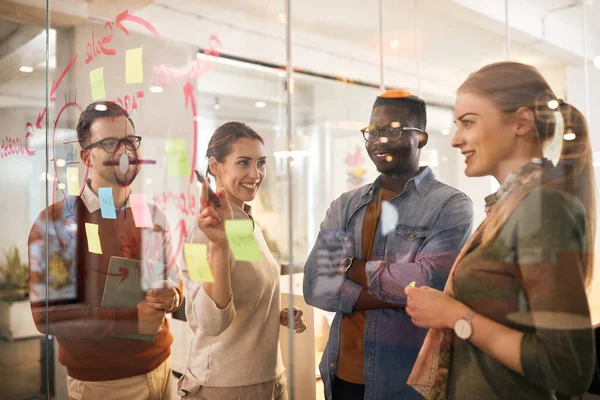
(513, 321)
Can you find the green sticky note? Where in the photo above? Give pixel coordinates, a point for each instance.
(97, 83)
(241, 240)
(73, 181)
(177, 161)
(134, 70)
(412, 284)
(196, 259)
(91, 231)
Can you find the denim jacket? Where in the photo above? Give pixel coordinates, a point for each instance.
(434, 222)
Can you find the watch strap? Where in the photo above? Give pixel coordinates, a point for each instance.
(469, 315)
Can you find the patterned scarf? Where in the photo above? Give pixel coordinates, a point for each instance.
(430, 373)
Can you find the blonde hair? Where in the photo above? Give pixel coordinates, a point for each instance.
(512, 85)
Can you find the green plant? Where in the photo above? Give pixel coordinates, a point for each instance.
(14, 273)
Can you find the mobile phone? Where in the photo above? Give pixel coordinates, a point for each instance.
(212, 196)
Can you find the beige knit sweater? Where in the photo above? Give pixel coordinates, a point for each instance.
(237, 345)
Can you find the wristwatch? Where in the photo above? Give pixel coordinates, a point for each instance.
(345, 265)
(177, 299)
(463, 328)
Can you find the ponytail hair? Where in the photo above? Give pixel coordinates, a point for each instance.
(574, 172)
(512, 85)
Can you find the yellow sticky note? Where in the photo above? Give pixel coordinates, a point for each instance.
(196, 259)
(73, 181)
(412, 284)
(241, 240)
(91, 231)
(97, 83)
(134, 70)
(177, 161)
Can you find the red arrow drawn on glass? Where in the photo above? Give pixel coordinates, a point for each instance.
(124, 272)
(38, 123)
(182, 235)
(55, 84)
(188, 91)
(125, 16)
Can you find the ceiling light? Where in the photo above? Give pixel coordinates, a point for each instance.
(394, 43)
(61, 186)
(282, 18)
(26, 69)
(260, 104)
(569, 136)
(148, 181)
(156, 89)
(281, 74)
(101, 107)
(553, 104)
(445, 132)
(597, 62)
(60, 162)
(217, 105)
(198, 118)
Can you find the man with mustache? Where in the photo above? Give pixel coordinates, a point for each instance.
(101, 363)
(404, 228)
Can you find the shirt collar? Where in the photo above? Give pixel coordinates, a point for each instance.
(242, 213)
(239, 212)
(92, 201)
(513, 177)
(422, 182)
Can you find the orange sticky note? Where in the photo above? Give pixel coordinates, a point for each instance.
(140, 210)
(91, 231)
(196, 259)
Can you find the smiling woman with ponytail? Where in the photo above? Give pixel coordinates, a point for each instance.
(513, 321)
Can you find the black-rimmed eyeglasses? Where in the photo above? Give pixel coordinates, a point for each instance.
(110, 144)
(393, 134)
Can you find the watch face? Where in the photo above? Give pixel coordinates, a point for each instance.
(463, 329)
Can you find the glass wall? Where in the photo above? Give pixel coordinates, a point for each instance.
(108, 109)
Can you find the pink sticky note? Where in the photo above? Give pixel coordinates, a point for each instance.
(141, 211)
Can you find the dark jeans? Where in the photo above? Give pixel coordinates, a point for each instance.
(343, 390)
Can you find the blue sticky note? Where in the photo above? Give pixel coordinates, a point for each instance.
(107, 204)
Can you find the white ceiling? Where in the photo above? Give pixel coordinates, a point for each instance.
(444, 39)
(445, 42)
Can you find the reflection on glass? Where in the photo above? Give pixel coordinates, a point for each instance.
(182, 68)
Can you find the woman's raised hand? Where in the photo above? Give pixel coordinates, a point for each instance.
(211, 219)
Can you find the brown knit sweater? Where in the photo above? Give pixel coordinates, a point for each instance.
(86, 331)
